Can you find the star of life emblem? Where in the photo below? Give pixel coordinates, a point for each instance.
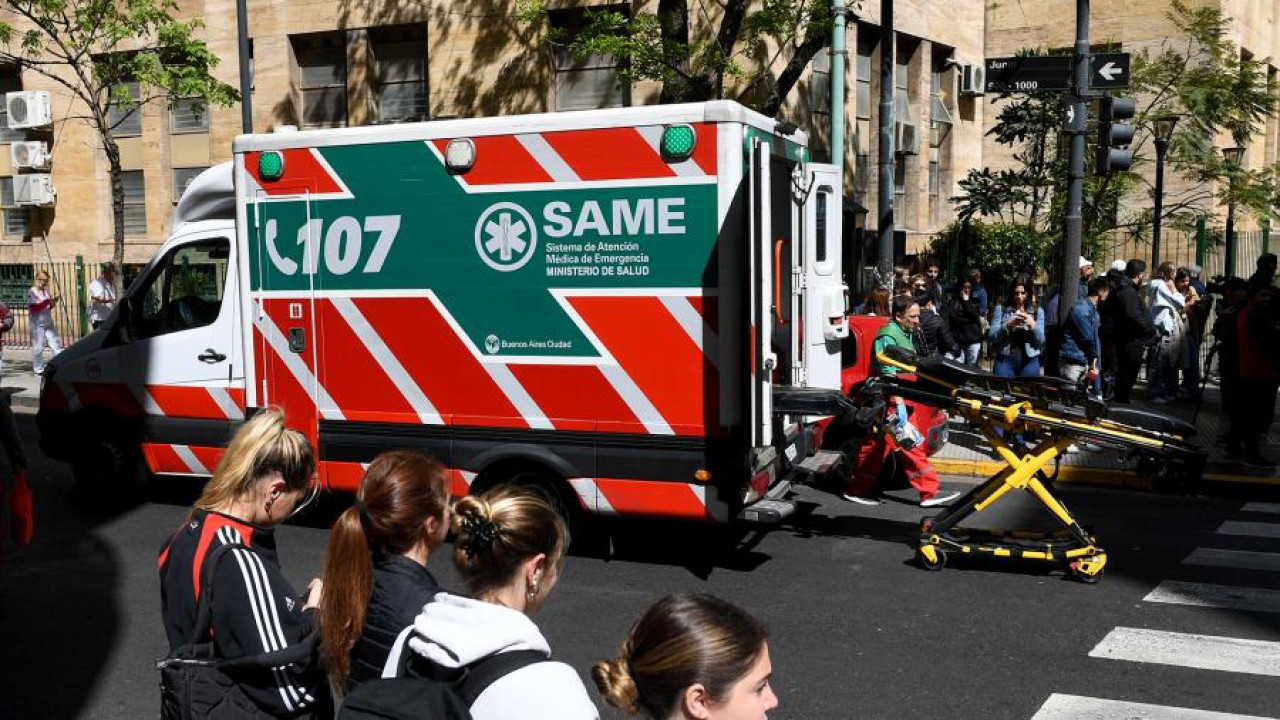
(506, 236)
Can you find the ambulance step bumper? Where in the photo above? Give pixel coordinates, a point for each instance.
(768, 512)
(819, 463)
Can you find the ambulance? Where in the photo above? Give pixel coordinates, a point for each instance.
(640, 311)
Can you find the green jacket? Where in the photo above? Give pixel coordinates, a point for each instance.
(891, 334)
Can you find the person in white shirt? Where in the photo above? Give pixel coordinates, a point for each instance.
(509, 547)
(102, 295)
(40, 304)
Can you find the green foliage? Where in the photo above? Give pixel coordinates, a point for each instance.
(91, 47)
(1198, 74)
(1001, 250)
(664, 46)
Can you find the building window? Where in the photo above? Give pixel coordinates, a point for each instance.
(941, 122)
(125, 119)
(862, 120)
(189, 115)
(322, 79)
(135, 203)
(820, 82)
(585, 83)
(8, 84)
(17, 218)
(182, 177)
(400, 67)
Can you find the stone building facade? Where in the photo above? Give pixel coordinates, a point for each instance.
(330, 63)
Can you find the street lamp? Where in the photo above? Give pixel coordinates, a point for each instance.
(1234, 156)
(1163, 130)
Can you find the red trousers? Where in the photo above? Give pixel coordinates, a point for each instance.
(915, 462)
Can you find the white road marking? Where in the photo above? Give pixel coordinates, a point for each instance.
(1239, 559)
(1254, 529)
(1207, 652)
(1261, 507)
(1227, 597)
(1077, 707)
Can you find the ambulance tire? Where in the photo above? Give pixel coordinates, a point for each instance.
(109, 465)
(583, 531)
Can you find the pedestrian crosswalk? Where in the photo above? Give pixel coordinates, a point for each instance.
(1196, 652)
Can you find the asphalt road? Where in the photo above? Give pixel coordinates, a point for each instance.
(857, 630)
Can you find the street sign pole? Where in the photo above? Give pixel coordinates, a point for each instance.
(1075, 188)
(884, 195)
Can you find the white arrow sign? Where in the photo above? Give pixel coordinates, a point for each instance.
(1071, 114)
(1110, 72)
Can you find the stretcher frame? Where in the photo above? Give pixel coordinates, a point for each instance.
(1068, 415)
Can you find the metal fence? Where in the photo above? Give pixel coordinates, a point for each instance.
(1204, 246)
(67, 280)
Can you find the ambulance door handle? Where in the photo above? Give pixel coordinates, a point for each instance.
(297, 340)
(211, 356)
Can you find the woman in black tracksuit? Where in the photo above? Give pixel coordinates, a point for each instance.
(375, 570)
(264, 477)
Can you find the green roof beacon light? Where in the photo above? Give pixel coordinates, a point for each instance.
(678, 142)
(271, 166)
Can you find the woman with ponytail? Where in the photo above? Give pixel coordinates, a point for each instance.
(265, 477)
(375, 571)
(691, 656)
(509, 544)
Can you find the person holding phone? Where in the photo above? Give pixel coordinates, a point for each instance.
(1017, 332)
(40, 304)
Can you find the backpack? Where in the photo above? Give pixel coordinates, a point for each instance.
(195, 684)
(424, 690)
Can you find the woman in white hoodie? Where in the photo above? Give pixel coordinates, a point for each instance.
(509, 546)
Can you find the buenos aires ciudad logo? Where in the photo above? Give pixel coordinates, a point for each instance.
(506, 236)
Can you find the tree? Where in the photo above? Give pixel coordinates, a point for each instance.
(96, 48)
(693, 62)
(1197, 73)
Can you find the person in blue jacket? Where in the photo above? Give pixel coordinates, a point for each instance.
(1017, 332)
(1081, 345)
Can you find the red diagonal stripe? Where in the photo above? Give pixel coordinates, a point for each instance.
(438, 361)
(500, 159)
(652, 498)
(300, 168)
(353, 376)
(185, 401)
(704, 151)
(282, 389)
(609, 154)
(658, 355)
(577, 397)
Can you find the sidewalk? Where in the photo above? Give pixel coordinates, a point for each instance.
(968, 454)
(17, 374)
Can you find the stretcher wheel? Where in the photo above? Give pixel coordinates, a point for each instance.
(931, 558)
(1088, 570)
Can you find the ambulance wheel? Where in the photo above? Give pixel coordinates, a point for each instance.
(108, 464)
(931, 557)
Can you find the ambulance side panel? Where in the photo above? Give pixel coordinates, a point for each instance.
(558, 309)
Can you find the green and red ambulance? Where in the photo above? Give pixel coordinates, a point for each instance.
(641, 310)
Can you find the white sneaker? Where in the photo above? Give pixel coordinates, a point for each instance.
(942, 498)
(860, 499)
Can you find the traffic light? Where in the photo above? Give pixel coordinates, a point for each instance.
(1114, 135)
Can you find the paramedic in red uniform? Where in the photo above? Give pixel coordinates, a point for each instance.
(898, 414)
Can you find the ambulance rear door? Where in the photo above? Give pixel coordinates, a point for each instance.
(823, 296)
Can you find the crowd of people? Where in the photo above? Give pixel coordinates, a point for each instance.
(1121, 324)
(379, 613)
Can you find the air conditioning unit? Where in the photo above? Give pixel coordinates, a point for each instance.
(30, 155)
(34, 189)
(906, 138)
(973, 80)
(28, 109)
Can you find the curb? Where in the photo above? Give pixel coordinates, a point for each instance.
(1096, 477)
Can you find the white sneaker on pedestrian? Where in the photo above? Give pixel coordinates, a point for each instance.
(942, 498)
(860, 499)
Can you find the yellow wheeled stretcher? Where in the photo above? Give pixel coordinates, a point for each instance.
(1060, 412)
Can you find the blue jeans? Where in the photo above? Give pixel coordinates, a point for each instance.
(1009, 366)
